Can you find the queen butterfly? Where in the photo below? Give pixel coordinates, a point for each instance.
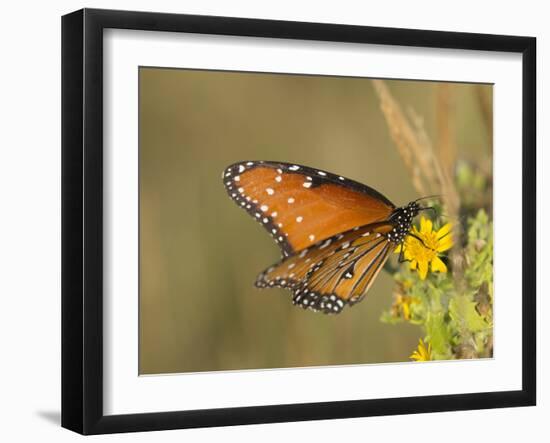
(335, 233)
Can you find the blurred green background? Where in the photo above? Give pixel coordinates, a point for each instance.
(200, 253)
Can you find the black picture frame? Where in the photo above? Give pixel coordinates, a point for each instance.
(82, 220)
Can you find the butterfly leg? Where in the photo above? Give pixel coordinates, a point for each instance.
(420, 240)
(401, 258)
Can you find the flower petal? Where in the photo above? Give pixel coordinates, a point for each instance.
(445, 243)
(422, 353)
(423, 269)
(425, 225)
(444, 230)
(406, 311)
(438, 265)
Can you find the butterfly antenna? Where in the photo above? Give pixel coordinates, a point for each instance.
(428, 208)
(454, 219)
(442, 214)
(429, 196)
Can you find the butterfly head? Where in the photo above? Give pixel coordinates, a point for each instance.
(413, 208)
(402, 220)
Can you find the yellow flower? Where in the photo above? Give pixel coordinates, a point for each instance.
(422, 353)
(401, 307)
(424, 253)
(405, 302)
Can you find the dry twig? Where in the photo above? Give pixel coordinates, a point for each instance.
(425, 166)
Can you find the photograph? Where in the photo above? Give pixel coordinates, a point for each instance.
(294, 221)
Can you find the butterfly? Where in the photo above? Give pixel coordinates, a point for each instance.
(335, 233)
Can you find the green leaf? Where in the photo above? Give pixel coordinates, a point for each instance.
(438, 334)
(387, 317)
(463, 313)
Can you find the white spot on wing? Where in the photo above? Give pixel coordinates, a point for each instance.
(291, 200)
(264, 208)
(325, 244)
(270, 191)
(294, 168)
(241, 168)
(321, 173)
(307, 185)
(299, 219)
(311, 237)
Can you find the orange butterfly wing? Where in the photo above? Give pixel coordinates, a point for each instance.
(300, 206)
(335, 272)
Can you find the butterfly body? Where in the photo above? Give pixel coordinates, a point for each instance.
(335, 233)
(402, 220)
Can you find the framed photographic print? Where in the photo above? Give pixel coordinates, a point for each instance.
(392, 172)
